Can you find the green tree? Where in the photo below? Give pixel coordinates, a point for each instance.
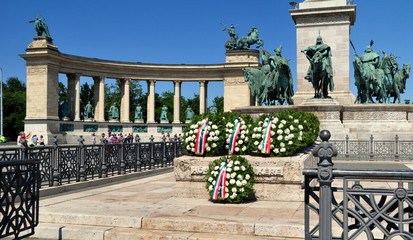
(14, 107)
(218, 103)
(86, 95)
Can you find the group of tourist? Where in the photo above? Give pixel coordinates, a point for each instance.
(25, 140)
(116, 138)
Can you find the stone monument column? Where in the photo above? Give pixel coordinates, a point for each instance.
(177, 101)
(236, 89)
(151, 101)
(203, 91)
(99, 98)
(71, 94)
(125, 100)
(332, 18)
(77, 97)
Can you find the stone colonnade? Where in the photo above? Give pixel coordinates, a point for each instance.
(73, 81)
(44, 63)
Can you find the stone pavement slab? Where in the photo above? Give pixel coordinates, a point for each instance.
(146, 209)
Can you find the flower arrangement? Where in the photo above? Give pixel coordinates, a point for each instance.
(230, 179)
(238, 134)
(204, 136)
(284, 133)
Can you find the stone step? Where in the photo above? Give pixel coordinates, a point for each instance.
(46, 231)
(182, 224)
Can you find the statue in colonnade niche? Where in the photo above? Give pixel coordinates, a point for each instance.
(113, 112)
(245, 42)
(189, 114)
(88, 112)
(320, 71)
(65, 111)
(138, 113)
(164, 114)
(41, 28)
(273, 82)
(379, 78)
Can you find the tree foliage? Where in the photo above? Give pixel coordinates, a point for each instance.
(14, 107)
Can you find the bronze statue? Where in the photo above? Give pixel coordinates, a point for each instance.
(379, 78)
(41, 28)
(164, 114)
(113, 112)
(189, 114)
(273, 82)
(320, 71)
(88, 112)
(138, 113)
(244, 42)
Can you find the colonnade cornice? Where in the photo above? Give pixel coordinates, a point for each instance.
(92, 67)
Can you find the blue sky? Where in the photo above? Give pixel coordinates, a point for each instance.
(183, 31)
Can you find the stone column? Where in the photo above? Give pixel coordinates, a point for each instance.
(177, 102)
(99, 96)
(125, 100)
(203, 96)
(77, 97)
(71, 94)
(151, 102)
(333, 19)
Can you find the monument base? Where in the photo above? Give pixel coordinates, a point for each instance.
(138, 121)
(114, 120)
(277, 179)
(89, 120)
(358, 121)
(164, 121)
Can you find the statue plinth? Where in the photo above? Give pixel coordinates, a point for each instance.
(41, 43)
(138, 121)
(320, 102)
(89, 120)
(164, 121)
(114, 120)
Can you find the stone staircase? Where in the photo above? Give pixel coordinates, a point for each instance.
(145, 209)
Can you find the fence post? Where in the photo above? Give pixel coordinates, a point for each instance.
(347, 147)
(152, 160)
(82, 170)
(371, 146)
(397, 147)
(104, 167)
(55, 154)
(175, 146)
(163, 152)
(122, 166)
(325, 151)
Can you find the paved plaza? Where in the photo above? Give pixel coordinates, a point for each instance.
(143, 208)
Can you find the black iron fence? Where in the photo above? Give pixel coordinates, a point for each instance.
(19, 197)
(63, 164)
(372, 149)
(354, 203)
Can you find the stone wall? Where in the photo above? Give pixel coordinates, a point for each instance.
(277, 179)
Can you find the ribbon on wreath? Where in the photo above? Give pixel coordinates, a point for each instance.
(201, 138)
(219, 190)
(266, 143)
(234, 137)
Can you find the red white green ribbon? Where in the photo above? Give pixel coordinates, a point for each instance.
(266, 143)
(234, 137)
(220, 186)
(201, 138)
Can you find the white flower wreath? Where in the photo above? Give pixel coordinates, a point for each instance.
(208, 136)
(236, 136)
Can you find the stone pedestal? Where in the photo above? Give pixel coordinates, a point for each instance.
(138, 121)
(277, 179)
(236, 89)
(333, 19)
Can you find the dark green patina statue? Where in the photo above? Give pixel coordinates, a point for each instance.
(41, 28)
(244, 42)
(272, 83)
(164, 114)
(138, 113)
(113, 112)
(379, 78)
(320, 71)
(88, 111)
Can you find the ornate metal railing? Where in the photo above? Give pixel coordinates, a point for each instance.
(372, 149)
(63, 164)
(355, 203)
(19, 197)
